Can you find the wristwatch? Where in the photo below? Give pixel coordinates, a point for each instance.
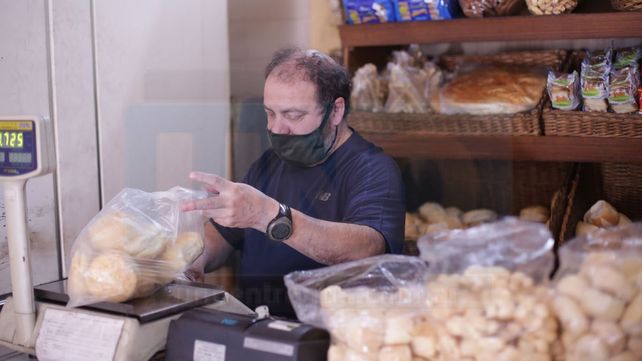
(280, 228)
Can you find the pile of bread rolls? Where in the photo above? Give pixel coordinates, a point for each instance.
(600, 215)
(124, 256)
(600, 309)
(485, 313)
(433, 217)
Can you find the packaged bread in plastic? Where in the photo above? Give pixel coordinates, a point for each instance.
(594, 76)
(598, 295)
(624, 81)
(367, 89)
(370, 306)
(137, 243)
(486, 296)
(563, 90)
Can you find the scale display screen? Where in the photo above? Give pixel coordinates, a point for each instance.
(17, 147)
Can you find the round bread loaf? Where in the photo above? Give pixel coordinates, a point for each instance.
(121, 231)
(111, 277)
(602, 214)
(180, 254)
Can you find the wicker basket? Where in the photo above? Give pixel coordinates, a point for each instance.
(503, 186)
(588, 124)
(618, 184)
(627, 5)
(525, 123)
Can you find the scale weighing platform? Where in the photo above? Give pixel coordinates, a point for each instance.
(42, 325)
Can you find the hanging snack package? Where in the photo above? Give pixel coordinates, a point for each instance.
(421, 10)
(370, 306)
(369, 11)
(487, 297)
(367, 90)
(596, 67)
(624, 81)
(563, 90)
(598, 295)
(136, 244)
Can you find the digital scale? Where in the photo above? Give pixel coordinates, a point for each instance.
(203, 322)
(35, 320)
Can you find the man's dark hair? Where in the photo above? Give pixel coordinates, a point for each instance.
(331, 79)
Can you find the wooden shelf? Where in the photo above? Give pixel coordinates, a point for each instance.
(509, 28)
(537, 148)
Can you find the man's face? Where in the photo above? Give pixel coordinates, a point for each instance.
(291, 106)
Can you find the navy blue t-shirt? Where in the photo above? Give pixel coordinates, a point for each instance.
(357, 184)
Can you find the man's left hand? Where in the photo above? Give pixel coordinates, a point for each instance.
(231, 204)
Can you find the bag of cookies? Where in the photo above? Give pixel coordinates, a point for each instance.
(598, 297)
(137, 243)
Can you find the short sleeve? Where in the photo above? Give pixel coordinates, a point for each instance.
(376, 199)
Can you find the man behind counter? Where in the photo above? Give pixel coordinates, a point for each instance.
(321, 195)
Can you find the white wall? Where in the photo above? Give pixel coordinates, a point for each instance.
(24, 90)
(257, 29)
(163, 91)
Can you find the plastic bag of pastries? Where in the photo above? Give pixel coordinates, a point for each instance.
(624, 81)
(137, 243)
(563, 90)
(367, 89)
(370, 306)
(598, 295)
(486, 296)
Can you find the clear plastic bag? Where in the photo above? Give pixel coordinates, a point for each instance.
(598, 296)
(366, 304)
(410, 79)
(487, 298)
(563, 90)
(137, 243)
(367, 90)
(594, 75)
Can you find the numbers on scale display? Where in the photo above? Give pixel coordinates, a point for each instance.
(11, 139)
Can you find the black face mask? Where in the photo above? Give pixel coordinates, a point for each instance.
(303, 150)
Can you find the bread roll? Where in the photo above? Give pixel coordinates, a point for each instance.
(76, 281)
(112, 277)
(120, 231)
(453, 212)
(584, 228)
(411, 229)
(535, 214)
(432, 212)
(478, 216)
(180, 254)
(624, 220)
(602, 214)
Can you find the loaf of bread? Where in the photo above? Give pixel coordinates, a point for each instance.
(111, 277)
(490, 90)
(180, 254)
(539, 214)
(602, 214)
(122, 231)
(478, 216)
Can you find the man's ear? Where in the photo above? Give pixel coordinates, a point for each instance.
(338, 111)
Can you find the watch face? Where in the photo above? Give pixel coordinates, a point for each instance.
(280, 231)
